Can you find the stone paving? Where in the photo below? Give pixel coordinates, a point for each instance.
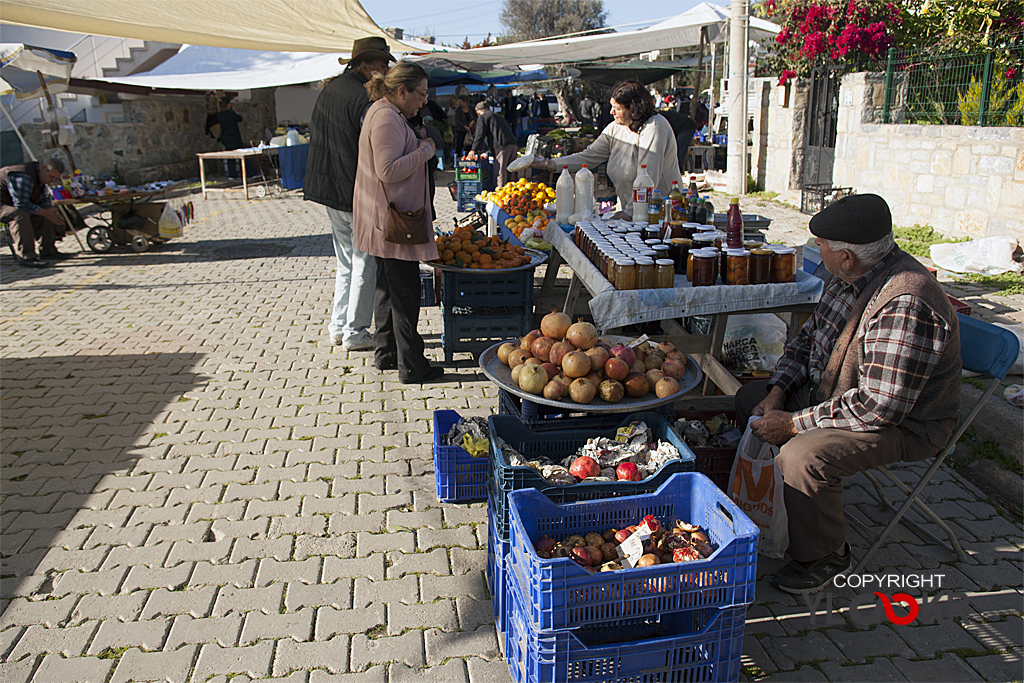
(198, 486)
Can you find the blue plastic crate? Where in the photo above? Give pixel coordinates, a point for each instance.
(558, 444)
(479, 331)
(458, 476)
(497, 551)
(466, 204)
(560, 594)
(538, 417)
(695, 645)
(469, 188)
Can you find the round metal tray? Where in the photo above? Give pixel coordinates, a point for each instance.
(537, 257)
(500, 374)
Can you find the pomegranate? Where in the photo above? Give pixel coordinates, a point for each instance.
(622, 534)
(558, 351)
(609, 536)
(678, 355)
(515, 373)
(583, 467)
(628, 471)
(666, 387)
(638, 366)
(596, 555)
(616, 368)
(608, 552)
(652, 523)
(624, 353)
(526, 341)
(666, 348)
(518, 357)
(553, 390)
(545, 544)
(673, 368)
(648, 560)
(551, 369)
(581, 555)
(504, 350)
(532, 379)
(654, 375)
(555, 324)
(611, 391)
(576, 364)
(637, 385)
(594, 538)
(595, 377)
(541, 348)
(582, 335)
(598, 356)
(582, 390)
(533, 361)
(686, 554)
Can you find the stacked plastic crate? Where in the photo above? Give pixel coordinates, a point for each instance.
(458, 476)
(473, 177)
(680, 621)
(480, 308)
(507, 431)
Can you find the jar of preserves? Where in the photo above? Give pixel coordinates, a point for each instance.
(784, 264)
(625, 274)
(664, 273)
(703, 240)
(679, 250)
(608, 266)
(752, 244)
(675, 229)
(736, 267)
(704, 263)
(760, 267)
(691, 229)
(661, 251)
(645, 273)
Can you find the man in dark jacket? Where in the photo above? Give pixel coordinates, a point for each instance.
(330, 179)
(26, 208)
(494, 131)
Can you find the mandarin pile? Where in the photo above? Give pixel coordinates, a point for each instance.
(522, 196)
(474, 249)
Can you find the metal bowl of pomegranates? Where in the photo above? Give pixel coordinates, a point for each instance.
(568, 366)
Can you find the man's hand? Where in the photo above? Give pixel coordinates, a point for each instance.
(775, 400)
(51, 214)
(776, 427)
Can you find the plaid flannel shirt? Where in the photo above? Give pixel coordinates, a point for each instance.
(901, 345)
(20, 185)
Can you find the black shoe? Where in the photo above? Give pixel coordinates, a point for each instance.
(34, 263)
(810, 577)
(388, 365)
(57, 256)
(433, 374)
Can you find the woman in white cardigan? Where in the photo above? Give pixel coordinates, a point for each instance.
(637, 136)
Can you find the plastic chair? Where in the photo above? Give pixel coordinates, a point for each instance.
(986, 349)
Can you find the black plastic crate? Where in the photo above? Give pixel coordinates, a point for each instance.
(488, 288)
(478, 332)
(466, 204)
(538, 417)
(469, 188)
(428, 296)
(814, 198)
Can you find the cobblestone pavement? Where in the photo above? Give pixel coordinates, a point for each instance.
(196, 485)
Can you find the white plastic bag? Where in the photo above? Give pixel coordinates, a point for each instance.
(170, 224)
(988, 256)
(753, 342)
(757, 490)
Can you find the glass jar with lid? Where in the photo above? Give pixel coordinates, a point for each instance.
(703, 240)
(679, 250)
(645, 273)
(691, 229)
(664, 273)
(736, 267)
(784, 264)
(661, 251)
(760, 267)
(625, 274)
(704, 267)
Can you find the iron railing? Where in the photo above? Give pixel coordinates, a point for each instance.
(966, 89)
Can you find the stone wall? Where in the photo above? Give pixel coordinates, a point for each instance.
(784, 156)
(159, 139)
(761, 89)
(961, 180)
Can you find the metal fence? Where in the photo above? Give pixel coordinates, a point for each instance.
(965, 89)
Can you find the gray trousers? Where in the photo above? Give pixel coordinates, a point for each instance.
(25, 229)
(813, 464)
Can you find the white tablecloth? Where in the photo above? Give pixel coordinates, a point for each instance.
(612, 308)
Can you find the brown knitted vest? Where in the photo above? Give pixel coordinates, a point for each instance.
(937, 409)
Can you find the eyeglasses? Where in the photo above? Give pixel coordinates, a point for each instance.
(421, 93)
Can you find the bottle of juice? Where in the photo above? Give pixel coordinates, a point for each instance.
(565, 197)
(654, 208)
(677, 201)
(643, 186)
(702, 212)
(711, 209)
(691, 191)
(734, 225)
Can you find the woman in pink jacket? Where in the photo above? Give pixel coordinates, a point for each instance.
(392, 167)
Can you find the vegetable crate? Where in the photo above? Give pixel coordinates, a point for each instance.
(560, 594)
(497, 551)
(556, 445)
(694, 645)
(543, 418)
(458, 476)
(714, 463)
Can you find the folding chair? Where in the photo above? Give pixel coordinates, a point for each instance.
(986, 349)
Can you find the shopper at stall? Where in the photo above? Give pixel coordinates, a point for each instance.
(493, 130)
(636, 137)
(330, 179)
(463, 125)
(230, 135)
(26, 208)
(872, 378)
(683, 127)
(392, 170)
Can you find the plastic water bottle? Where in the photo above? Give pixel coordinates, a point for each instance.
(584, 205)
(565, 197)
(643, 187)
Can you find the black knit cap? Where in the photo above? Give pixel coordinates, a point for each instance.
(857, 219)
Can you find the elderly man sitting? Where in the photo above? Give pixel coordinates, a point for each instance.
(872, 378)
(26, 208)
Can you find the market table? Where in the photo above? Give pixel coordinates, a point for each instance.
(612, 308)
(240, 155)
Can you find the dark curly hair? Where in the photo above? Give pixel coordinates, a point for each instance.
(634, 96)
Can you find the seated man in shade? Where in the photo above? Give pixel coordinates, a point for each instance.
(26, 208)
(872, 378)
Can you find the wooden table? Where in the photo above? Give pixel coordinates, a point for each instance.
(105, 203)
(239, 155)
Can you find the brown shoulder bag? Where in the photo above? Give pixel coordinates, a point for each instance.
(404, 227)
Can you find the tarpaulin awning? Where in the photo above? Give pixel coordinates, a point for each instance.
(636, 69)
(274, 25)
(20, 66)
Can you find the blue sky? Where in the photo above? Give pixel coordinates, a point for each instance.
(452, 20)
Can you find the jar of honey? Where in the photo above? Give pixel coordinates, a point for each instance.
(664, 273)
(704, 267)
(760, 267)
(784, 264)
(679, 250)
(645, 273)
(625, 274)
(736, 266)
